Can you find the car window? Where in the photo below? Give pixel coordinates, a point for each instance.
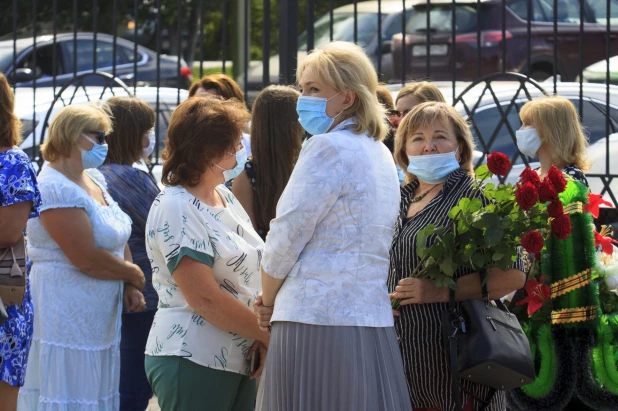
(568, 11)
(486, 121)
(343, 29)
(127, 55)
(394, 26)
(594, 120)
(44, 61)
(599, 8)
(441, 18)
(85, 50)
(540, 10)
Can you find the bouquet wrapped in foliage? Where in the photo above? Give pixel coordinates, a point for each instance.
(487, 232)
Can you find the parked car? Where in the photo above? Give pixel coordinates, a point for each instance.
(488, 14)
(343, 30)
(32, 108)
(597, 73)
(491, 134)
(69, 61)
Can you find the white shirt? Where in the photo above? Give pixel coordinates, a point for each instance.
(223, 238)
(331, 238)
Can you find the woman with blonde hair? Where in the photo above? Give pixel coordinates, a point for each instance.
(325, 263)
(551, 131)
(434, 145)
(19, 201)
(81, 265)
(412, 95)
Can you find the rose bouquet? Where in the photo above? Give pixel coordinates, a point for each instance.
(488, 230)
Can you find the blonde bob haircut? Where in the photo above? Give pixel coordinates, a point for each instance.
(557, 123)
(70, 123)
(345, 66)
(423, 116)
(423, 90)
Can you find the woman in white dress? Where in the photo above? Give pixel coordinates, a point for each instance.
(81, 264)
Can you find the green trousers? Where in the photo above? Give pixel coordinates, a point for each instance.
(182, 385)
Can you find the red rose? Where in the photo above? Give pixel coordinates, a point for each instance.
(530, 176)
(498, 163)
(561, 227)
(557, 180)
(555, 209)
(526, 196)
(547, 192)
(532, 242)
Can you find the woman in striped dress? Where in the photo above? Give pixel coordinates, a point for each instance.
(434, 145)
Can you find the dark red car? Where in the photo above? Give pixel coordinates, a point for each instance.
(488, 14)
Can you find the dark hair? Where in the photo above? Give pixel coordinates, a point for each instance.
(201, 130)
(10, 126)
(276, 140)
(384, 97)
(225, 86)
(131, 119)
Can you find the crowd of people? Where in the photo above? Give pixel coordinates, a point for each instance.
(273, 250)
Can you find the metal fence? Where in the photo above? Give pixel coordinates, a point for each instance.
(487, 56)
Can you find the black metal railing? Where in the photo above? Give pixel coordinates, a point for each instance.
(51, 46)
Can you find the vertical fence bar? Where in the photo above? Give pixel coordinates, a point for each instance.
(529, 38)
(266, 44)
(555, 46)
(454, 41)
(310, 28)
(379, 60)
(581, 59)
(34, 81)
(135, 11)
(179, 28)
(608, 38)
(427, 41)
(224, 36)
(478, 39)
(246, 42)
(331, 21)
(504, 36)
(288, 46)
(201, 20)
(114, 34)
(157, 107)
(404, 64)
(54, 44)
(355, 22)
(15, 15)
(75, 23)
(94, 35)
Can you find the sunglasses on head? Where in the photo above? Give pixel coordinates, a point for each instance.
(100, 136)
(398, 113)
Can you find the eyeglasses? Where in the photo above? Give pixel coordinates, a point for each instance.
(398, 113)
(100, 136)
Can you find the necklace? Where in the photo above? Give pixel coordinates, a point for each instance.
(421, 196)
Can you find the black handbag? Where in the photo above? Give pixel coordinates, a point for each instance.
(486, 345)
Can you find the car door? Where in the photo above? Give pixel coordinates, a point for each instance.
(82, 60)
(43, 65)
(598, 10)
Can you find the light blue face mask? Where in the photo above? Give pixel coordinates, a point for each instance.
(312, 114)
(241, 159)
(528, 141)
(95, 156)
(433, 168)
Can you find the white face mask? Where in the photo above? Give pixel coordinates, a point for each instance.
(528, 141)
(147, 151)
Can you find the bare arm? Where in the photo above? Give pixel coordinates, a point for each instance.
(197, 283)
(13, 220)
(70, 228)
(242, 189)
(270, 288)
(127, 253)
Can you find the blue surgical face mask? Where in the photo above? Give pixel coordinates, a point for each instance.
(528, 141)
(312, 114)
(433, 168)
(95, 156)
(241, 159)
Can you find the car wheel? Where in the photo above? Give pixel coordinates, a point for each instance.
(540, 75)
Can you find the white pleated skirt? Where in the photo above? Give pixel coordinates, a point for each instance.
(314, 367)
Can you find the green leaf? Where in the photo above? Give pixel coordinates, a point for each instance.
(490, 220)
(482, 172)
(475, 205)
(454, 211)
(464, 203)
(479, 260)
(448, 267)
(437, 251)
(497, 256)
(421, 248)
(489, 186)
(493, 235)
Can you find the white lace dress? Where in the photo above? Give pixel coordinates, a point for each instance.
(74, 361)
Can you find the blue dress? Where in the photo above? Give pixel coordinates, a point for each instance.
(17, 184)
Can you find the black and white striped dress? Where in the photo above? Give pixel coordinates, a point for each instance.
(419, 326)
